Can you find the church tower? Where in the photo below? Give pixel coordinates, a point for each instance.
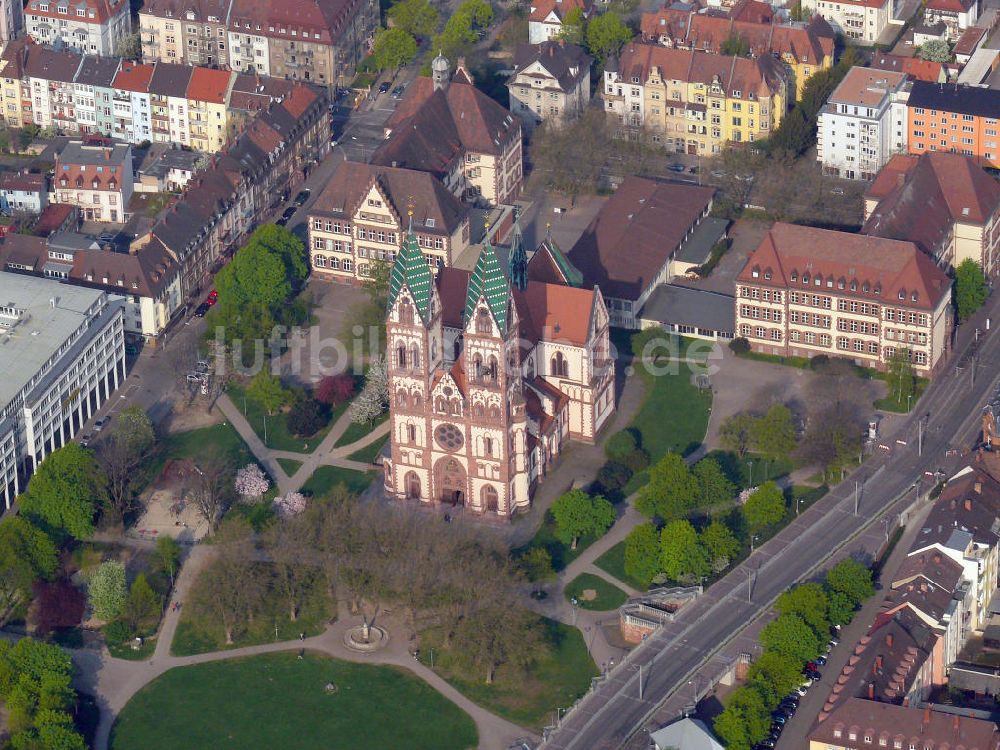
(414, 340)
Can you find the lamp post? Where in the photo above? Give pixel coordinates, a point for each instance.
(753, 539)
(750, 466)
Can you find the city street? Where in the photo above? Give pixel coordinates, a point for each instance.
(610, 714)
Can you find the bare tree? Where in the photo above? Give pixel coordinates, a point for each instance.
(122, 456)
(296, 573)
(230, 589)
(212, 489)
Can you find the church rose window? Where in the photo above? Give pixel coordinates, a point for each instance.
(449, 437)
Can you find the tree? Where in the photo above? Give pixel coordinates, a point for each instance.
(714, 487)
(143, 606)
(251, 482)
(682, 557)
(791, 636)
(499, 633)
(459, 32)
(574, 27)
(840, 608)
(62, 495)
(121, 457)
(416, 17)
(578, 514)
(307, 417)
(27, 554)
(808, 601)
(902, 383)
(130, 46)
(289, 504)
(773, 435)
(721, 545)
(970, 287)
(620, 446)
(744, 722)
(536, 564)
(735, 45)
(572, 156)
(230, 589)
(56, 605)
(936, 50)
(765, 507)
(774, 676)
(832, 438)
(266, 389)
(373, 400)
(735, 433)
(852, 579)
(607, 34)
(212, 490)
(168, 556)
(393, 48)
(289, 546)
(672, 489)
(642, 552)
(107, 590)
(335, 389)
(27, 134)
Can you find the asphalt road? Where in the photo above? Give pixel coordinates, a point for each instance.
(608, 715)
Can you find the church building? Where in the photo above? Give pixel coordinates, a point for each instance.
(490, 374)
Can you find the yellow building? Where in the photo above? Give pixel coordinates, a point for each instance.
(207, 93)
(11, 73)
(695, 102)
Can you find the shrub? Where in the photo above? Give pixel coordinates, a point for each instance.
(613, 475)
(334, 389)
(307, 417)
(739, 345)
(107, 590)
(117, 632)
(819, 361)
(620, 445)
(637, 460)
(57, 605)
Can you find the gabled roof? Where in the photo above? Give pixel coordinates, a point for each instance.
(98, 71)
(134, 77)
(565, 63)
(951, 6)
(687, 733)
(201, 10)
(28, 182)
(551, 265)
(541, 9)
(95, 11)
(912, 67)
(47, 63)
(952, 97)
(488, 282)
(411, 271)
(208, 85)
(170, 79)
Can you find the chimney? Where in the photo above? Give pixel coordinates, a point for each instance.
(954, 722)
(888, 640)
(927, 715)
(871, 691)
(906, 702)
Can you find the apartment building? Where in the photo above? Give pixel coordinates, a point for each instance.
(133, 109)
(23, 192)
(804, 48)
(207, 93)
(320, 41)
(956, 15)
(363, 214)
(943, 202)
(806, 291)
(551, 83)
(64, 355)
(952, 117)
(11, 20)
(168, 98)
(96, 178)
(446, 126)
(695, 102)
(94, 93)
(861, 20)
(863, 123)
(545, 17)
(48, 78)
(91, 27)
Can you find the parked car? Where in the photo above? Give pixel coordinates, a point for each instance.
(778, 718)
(398, 92)
(814, 675)
(768, 743)
(834, 642)
(100, 423)
(821, 660)
(677, 167)
(776, 730)
(801, 691)
(202, 310)
(213, 295)
(302, 197)
(85, 440)
(287, 214)
(383, 87)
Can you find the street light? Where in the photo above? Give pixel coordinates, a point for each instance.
(750, 464)
(575, 604)
(753, 539)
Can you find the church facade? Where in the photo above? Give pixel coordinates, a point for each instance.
(490, 374)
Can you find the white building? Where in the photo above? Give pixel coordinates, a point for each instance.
(863, 123)
(98, 179)
(957, 15)
(249, 53)
(63, 355)
(92, 27)
(861, 20)
(23, 192)
(551, 81)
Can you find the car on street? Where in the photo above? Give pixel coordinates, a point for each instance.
(202, 310)
(820, 661)
(801, 690)
(398, 92)
(85, 440)
(768, 743)
(213, 295)
(383, 87)
(834, 643)
(814, 675)
(679, 168)
(287, 214)
(101, 423)
(302, 197)
(778, 718)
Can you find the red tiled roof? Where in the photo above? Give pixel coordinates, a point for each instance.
(298, 100)
(53, 216)
(23, 181)
(951, 6)
(96, 11)
(753, 11)
(134, 77)
(540, 9)
(878, 268)
(969, 41)
(208, 85)
(913, 67)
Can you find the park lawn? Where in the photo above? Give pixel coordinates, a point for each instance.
(901, 406)
(289, 465)
(560, 551)
(200, 635)
(356, 431)
(222, 439)
(125, 650)
(325, 478)
(555, 680)
(607, 595)
(277, 433)
(369, 452)
(280, 701)
(612, 562)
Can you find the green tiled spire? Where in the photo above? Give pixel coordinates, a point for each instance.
(490, 282)
(570, 272)
(411, 270)
(518, 265)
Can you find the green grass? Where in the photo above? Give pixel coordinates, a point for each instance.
(613, 563)
(125, 650)
(608, 596)
(278, 435)
(220, 438)
(355, 431)
(559, 550)
(801, 363)
(289, 465)
(325, 478)
(280, 701)
(555, 680)
(200, 635)
(369, 452)
(901, 406)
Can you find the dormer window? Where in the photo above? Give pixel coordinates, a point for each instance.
(865, 287)
(736, 94)
(913, 297)
(755, 272)
(854, 286)
(794, 276)
(902, 294)
(829, 282)
(635, 79)
(818, 281)
(841, 283)
(805, 278)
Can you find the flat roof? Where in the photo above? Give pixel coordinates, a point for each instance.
(698, 247)
(37, 331)
(681, 305)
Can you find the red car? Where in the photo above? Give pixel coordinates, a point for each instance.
(213, 295)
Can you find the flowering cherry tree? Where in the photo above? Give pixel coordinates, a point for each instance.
(289, 505)
(251, 482)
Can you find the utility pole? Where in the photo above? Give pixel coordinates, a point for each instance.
(857, 495)
(749, 585)
(640, 682)
(920, 436)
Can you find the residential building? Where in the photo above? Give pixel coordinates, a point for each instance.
(863, 123)
(362, 217)
(96, 178)
(48, 77)
(861, 20)
(11, 20)
(943, 202)
(684, 734)
(630, 246)
(913, 68)
(446, 126)
(695, 102)
(969, 42)
(859, 724)
(23, 192)
(169, 171)
(94, 94)
(133, 108)
(551, 83)
(806, 291)
(954, 117)
(91, 27)
(319, 41)
(805, 48)
(64, 355)
(545, 17)
(207, 93)
(490, 375)
(13, 96)
(956, 15)
(168, 99)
